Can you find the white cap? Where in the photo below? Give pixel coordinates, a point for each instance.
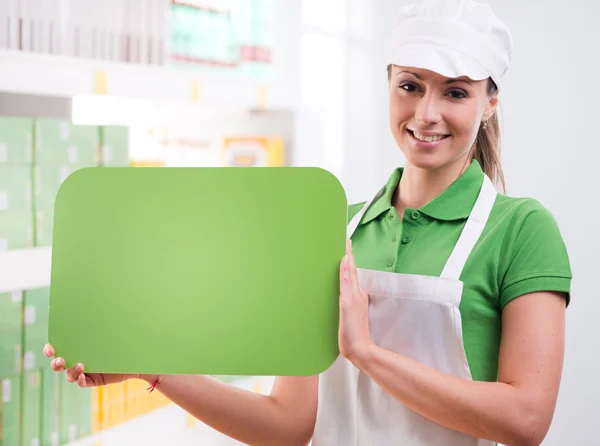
(453, 38)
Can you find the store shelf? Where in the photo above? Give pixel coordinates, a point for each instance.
(58, 76)
(25, 269)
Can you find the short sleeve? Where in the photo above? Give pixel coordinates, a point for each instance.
(535, 257)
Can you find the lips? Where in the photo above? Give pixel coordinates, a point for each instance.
(428, 138)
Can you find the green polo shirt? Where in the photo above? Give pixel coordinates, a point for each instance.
(520, 251)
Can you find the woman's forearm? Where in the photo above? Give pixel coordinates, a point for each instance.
(249, 417)
(490, 410)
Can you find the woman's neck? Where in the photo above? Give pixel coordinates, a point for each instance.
(420, 186)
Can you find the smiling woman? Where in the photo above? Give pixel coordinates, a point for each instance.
(452, 295)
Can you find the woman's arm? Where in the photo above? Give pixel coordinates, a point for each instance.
(286, 416)
(515, 411)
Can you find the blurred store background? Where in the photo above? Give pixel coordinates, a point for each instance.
(178, 83)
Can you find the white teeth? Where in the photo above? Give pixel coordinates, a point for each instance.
(428, 138)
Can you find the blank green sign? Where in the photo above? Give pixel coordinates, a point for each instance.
(223, 271)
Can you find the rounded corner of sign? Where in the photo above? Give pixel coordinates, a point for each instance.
(334, 179)
(66, 184)
(323, 366)
(324, 171)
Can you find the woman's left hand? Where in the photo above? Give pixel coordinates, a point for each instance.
(353, 336)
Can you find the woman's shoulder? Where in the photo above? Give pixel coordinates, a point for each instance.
(523, 210)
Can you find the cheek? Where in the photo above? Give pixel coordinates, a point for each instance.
(465, 123)
(398, 110)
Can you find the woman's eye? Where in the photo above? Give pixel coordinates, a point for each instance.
(457, 94)
(408, 87)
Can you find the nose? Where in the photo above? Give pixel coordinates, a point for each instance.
(428, 109)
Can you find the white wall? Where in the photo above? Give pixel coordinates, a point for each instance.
(551, 152)
(550, 112)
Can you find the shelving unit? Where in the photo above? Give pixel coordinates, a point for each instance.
(36, 74)
(58, 76)
(25, 269)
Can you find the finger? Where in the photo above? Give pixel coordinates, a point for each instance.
(74, 372)
(353, 273)
(49, 351)
(82, 380)
(58, 364)
(345, 282)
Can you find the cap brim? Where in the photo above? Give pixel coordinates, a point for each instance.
(444, 61)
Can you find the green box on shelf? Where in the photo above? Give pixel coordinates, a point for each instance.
(37, 306)
(11, 352)
(114, 146)
(86, 403)
(47, 179)
(31, 407)
(11, 310)
(61, 142)
(16, 141)
(50, 413)
(44, 224)
(34, 339)
(35, 336)
(70, 406)
(15, 188)
(10, 410)
(16, 230)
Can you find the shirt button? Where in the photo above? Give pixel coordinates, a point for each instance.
(406, 240)
(390, 216)
(394, 240)
(391, 263)
(415, 215)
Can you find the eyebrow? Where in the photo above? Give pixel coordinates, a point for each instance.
(449, 81)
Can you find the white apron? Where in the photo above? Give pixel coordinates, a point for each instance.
(415, 316)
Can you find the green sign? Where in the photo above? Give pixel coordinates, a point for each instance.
(221, 271)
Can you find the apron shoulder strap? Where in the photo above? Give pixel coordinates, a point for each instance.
(472, 231)
(358, 217)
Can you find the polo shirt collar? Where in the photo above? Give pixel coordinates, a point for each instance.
(384, 202)
(455, 203)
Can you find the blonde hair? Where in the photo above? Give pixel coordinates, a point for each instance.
(486, 149)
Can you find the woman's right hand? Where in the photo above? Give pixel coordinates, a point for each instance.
(75, 374)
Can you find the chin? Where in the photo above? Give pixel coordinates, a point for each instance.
(430, 161)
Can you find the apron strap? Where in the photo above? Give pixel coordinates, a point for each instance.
(472, 231)
(358, 217)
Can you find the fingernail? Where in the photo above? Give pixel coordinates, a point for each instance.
(79, 367)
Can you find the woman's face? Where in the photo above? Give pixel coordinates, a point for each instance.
(435, 119)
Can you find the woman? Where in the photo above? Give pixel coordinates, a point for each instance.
(452, 315)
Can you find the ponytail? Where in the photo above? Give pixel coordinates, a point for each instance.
(486, 149)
